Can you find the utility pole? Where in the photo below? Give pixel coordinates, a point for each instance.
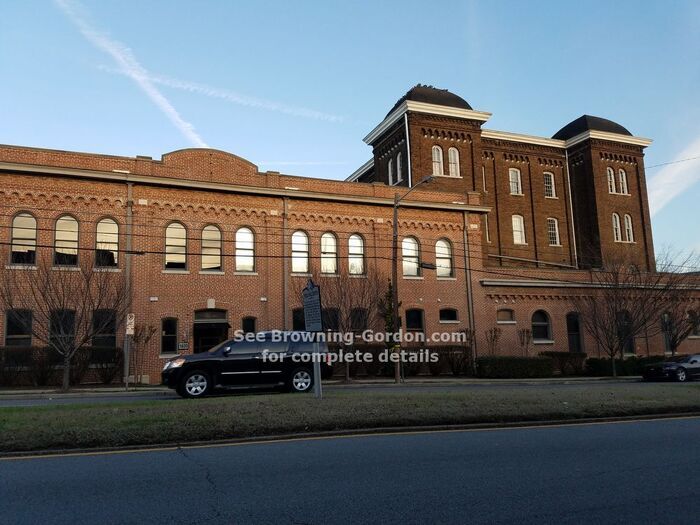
(395, 271)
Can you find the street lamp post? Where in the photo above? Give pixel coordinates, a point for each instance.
(395, 268)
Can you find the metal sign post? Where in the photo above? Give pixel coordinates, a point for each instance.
(130, 329)
(313, 322)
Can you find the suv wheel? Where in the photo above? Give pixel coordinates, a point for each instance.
(681, 375)
(195, 384)
(301, 380)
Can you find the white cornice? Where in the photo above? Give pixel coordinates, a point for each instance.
(359, 171)
(604, 135)
(422, 107)
(519, 137)
(33, 169)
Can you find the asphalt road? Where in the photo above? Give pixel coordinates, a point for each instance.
(643, 472)
(27, 400)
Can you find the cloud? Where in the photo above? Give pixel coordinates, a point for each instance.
(128, 65)
(674, 179)
(237, 98)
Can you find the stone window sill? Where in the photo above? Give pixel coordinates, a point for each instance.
(20, 267)
(245, 273)
(176, 272)
(543, 342)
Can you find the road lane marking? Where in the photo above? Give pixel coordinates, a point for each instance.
(272, 441)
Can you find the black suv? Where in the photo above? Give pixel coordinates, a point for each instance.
(266, 359)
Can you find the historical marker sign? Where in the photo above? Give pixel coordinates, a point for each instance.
(312, 307)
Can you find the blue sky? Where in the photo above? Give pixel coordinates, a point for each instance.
(294, 86)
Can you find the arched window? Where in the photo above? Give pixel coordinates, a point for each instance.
(550, 189)
(175, 247)
(399, 172)
(629, 232)
(519, 230)
(553, 232)
(443, 258)
(623, 182)
(390, 170)
(611, 181)
(300, 252)
(329, 253)
(66, 241)
(437, 161)
(453, 159)
(245, 250)
(449, 315)
(541, 326)
(211, 249)
(516, 186)
(410, 255)
(356, 255)
(617, 232)
(23, 239)
(107, 243)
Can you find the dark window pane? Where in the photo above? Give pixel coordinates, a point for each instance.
(414, 319)
(298, 321)
(358, 319)
(18, 331)
(62, 329)
(331, 319)
(248, 324)
(104, 327)
(168, 339)
(448, 314)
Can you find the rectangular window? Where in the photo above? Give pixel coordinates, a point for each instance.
(516, 187)
(104, 329)
(505, 315)
(549, 188)
(18, 328)
(62, 329)
(518, 230)
(553, 232)
(486, 228)
(483, 177)
(414, 320)
(168, 335)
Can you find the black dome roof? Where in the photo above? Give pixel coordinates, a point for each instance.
(588, 123)
(432, 95)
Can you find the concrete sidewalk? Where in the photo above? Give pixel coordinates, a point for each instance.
(157, 390)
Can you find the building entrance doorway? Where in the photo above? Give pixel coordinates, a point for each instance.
(210, 329)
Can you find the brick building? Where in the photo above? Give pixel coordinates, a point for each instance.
(211, 244)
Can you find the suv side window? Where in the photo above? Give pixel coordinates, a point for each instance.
(274, 346)
(245, 347)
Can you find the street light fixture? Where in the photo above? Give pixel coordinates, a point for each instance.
(395, 266)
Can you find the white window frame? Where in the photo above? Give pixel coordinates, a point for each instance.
(245, 249)
(486, 227)
(329, 253)
(410, 259)
(550, 189)
(453, 162)
(399, 176)
(443, 258)
(212, 248)
(300, 252)
(612, 187)
(175, 246)
(438, 161)
(356, 254)
(624, 189)
(629, 229)
(519, 237)
(390, 171)
(617, 230)
(515, 181)
(553, 231)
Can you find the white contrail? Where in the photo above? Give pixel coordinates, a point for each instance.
(674, 179)
(129, 66)
(236, 98)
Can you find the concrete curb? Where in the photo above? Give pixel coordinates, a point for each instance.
(375, 431)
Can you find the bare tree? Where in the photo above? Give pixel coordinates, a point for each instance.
(525, 339)
(143, 333)
(624, 302)
(351, 303)
(69, 305)
(493, 337)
